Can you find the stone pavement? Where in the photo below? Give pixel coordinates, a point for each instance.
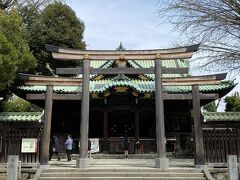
(124, 163)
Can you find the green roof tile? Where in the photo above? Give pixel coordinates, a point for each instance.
(166, 63)
(21, 116)
(221, 116)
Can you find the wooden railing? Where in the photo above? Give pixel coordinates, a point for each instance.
(10, 143)
(221, 142)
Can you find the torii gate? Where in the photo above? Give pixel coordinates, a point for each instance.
(157, 55)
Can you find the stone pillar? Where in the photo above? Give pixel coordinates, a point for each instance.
(161, 160)
(45, 140)
(12, 167)
(232, 167)
(83, 161)
(198, 134)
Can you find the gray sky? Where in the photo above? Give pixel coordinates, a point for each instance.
(135, 23)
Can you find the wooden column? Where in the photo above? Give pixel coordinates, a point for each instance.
(82, 162)
(105, 129)
(161, 160)
(136, 126)
(198, 134)
(44, 152)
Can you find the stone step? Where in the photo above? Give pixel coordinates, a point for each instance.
(121, 178)
(121, 174)
(146, 170)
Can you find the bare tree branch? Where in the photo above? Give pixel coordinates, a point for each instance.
(214, 23)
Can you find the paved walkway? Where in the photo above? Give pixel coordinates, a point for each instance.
(123, 163)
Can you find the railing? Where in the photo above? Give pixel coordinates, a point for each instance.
(219, 143)
(11, 139)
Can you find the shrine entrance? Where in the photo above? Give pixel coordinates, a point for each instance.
(143, 90)
(121, 123)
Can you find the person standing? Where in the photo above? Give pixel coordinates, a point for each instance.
(54, 148)
(89, 149)
(68, 146)
(125, 145)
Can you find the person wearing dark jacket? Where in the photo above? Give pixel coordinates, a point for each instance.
(125, 145)
(54, 148)
(89, 149)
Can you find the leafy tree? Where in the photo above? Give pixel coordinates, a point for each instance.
(16, 104)
(15, 55)
(232, 102)
(58, 25)
(216, 24)
(8, 4)
(210, 107)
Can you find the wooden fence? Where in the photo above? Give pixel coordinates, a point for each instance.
(221, 142)
(11, 139)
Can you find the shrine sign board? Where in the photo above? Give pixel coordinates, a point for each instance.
(29, 145)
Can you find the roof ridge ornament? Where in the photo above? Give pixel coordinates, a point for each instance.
(120, 47)
(86, 56)
(121, 57)
(158, 56)
(121, 77)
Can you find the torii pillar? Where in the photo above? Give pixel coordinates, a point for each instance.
(44, 151)
(161, 161)
(83, 160)
(199, 155)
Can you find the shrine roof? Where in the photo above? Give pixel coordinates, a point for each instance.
(21, 116)
(176, 63)
(221, 116)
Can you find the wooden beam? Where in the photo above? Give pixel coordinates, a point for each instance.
(48, 80)
(78, 97)
(56, 96)
(80, 57)
(192, 48)
(121, 70)
(194, 80)
(189, 96)
(181, 83)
